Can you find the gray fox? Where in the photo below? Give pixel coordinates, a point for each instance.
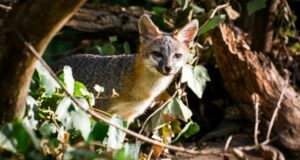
(139, 78)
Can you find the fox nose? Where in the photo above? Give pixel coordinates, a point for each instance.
(168, 69)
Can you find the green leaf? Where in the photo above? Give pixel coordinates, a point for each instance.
(193, 128)
(108, 49)
(115, 137)
(177, 108)
(46, 79)
(62, 112)
(31, 118)
(6, 141)
(196, 78)
(159, 10)
(81, 122)
(80, 89)
(211, 24)
(157, 120)
(82, 102)
(121, 155)
(113, 39)
(25, 137)
(189, 129)
(197, 9)
(126, 47)
(132, 150)
(68, 79)
(186, 73)
(255, 5)
(47, 129)
(99, 131)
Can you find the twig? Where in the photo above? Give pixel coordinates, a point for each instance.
(256, 98)
(94, 114)
(217, 9)
(157, 110)
(228, 143)
(278, 106)
(6, 8)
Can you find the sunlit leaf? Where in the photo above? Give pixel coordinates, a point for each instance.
(166, 133)
(186, 73)
(196, 78)
(46, 79)
(80, 89)
(31, 118)
(121, 155)
(115, 137)
(83, 102)
(68, 79)
(81, 122)
(189, 129)
(62, 112)
(176, 107)
(132, 149)
(211, 24)
(98, 88)
(197, 9)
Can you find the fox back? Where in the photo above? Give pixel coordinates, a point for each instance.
(140, 78)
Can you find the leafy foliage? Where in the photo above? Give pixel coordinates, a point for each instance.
(55, 127)
(255, 5)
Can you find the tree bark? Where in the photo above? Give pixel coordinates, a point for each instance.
(105, 20)
(37, 21)
(245, 72)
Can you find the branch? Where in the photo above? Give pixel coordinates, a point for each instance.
(256, 98)
(278, 105)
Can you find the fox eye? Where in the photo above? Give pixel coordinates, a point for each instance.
(177, 55)
(157, 54)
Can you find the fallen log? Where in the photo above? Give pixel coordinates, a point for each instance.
(107, 20)
(245, 72)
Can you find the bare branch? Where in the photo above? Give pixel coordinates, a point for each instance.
(278, 106)
(255, 98)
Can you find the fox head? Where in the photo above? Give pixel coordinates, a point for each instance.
(165, 53)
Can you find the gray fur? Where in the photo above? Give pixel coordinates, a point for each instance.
(105, 71)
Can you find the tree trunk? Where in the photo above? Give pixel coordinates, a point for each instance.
(246, 72)
(262, 27)
(37, 21)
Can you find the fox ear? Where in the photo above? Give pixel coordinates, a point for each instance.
(147, 29)
(188, 32)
